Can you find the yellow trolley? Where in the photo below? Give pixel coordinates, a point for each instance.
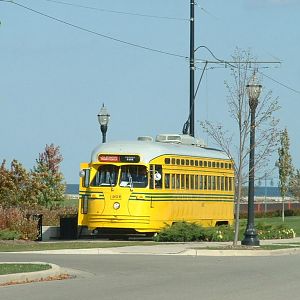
(140, 186)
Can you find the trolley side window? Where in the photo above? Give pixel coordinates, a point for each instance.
(173, 181)
(167, 181)
(187, 181)
(182, 181)
(156, 175)
(178, 181)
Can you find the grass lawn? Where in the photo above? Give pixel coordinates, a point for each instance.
(70, 203)
(292, 222)
(289, 222)
(16, 246)
(22, 268)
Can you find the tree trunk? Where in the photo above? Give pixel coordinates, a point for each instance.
(237, 211)
(283, 209)
(237, 221)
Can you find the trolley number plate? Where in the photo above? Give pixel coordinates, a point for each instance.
(116, 197)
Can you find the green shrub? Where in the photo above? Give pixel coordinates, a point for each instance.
(180, 232)
(291, 212)
(189, 232)
(7, 234)
(222, 233)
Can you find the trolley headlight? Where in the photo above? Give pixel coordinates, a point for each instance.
(85, 175)
(117, 205)
(81, 173)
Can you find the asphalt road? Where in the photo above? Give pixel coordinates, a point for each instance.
(163, 277)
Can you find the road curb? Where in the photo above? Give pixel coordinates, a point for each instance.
(190, 250)
(30, 276)
(208, 252)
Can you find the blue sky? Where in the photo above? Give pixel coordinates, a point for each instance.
(54, 78)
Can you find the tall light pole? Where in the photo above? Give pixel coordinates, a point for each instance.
(250, 236)
(192, 68)
(103, 118)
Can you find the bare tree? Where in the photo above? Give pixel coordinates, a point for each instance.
(236, 143)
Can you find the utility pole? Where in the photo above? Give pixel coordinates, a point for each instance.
(192, 67)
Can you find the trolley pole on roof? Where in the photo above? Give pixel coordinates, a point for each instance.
(192, 67)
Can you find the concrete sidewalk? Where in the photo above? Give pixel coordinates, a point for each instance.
(179, 249)
(188, 248)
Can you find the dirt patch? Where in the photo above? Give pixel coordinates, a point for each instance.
(49, 278)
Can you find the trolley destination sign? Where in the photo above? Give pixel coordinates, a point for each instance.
(119, 158)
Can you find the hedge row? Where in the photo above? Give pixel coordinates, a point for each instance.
(19, 223)
(16, 223)
(275, 213)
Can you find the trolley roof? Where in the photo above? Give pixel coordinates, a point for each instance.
(150, 150)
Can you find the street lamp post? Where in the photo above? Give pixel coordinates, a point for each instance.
(250, 235)
(103, 118)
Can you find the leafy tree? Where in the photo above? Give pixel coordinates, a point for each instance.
(44, 185)
(17, 186)
(47, 173)
(266, 126)
(285, 166)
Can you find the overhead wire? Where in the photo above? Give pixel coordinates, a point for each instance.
(228, 63)
(206, 11)
(218, 61)
(95, 32)
(117, 11)
(231, 64)
(280, 83)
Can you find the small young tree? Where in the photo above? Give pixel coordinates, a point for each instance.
(295, 185)
(285, 167)
(47, 173)
(236, 144)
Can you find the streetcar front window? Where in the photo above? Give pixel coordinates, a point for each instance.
(133, 176)
(107, 175)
